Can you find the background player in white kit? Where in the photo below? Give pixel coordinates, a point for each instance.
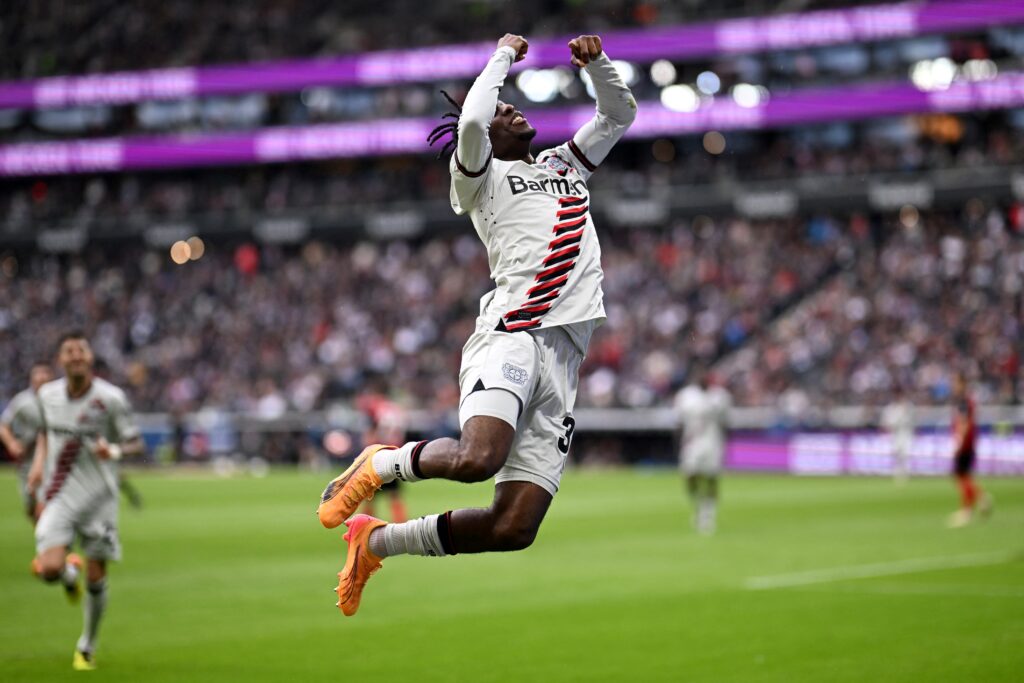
(898, 420)
(520, 369)
(703, 410)
(19, 426)
(87, 428)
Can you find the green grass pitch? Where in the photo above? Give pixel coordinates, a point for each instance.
(808, 580)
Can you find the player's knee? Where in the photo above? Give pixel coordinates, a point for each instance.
(49, 571)
(95, 572)
(479, 461)
(511, 533)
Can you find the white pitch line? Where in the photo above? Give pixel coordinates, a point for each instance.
(865, 571)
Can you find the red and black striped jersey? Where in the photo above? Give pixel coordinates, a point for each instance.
(72, 427)
(535, 221)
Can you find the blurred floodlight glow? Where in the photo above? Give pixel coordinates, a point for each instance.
(539, 85)
(337, 442)
(709, 83)
(909, 216)
(933, 74)
(980, 69)
(627, 71)
(714, 142)
(180, 252)
(663, 73)
(680, 98)
(196, 248)
(746, 95)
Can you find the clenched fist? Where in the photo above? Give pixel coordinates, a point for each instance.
(517, 43)
(585, 49)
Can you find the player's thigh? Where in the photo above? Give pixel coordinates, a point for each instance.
(703, 461)
(541, 447)
(99, 532)
(496, 365)
(55, 529)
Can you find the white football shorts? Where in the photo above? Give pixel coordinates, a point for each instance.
(704, 459)
(94, 525)
(540, 369)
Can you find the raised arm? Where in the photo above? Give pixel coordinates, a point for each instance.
(616, 107)
(474, 149)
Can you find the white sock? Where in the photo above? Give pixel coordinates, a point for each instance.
(92, 611)
(69, 575)
(395, 463)
(415, 537)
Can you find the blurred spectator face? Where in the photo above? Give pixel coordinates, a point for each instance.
(41, 374)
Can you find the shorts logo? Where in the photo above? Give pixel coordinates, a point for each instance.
(515, 374)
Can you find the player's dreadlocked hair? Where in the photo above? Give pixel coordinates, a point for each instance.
(447, 128)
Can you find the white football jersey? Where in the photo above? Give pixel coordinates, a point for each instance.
(704, 414)
(534, 220)
(72, 426)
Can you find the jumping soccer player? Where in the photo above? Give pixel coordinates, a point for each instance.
(703, 411)
(87, 427)
(520, 368)
(965, 433)
(19, 425)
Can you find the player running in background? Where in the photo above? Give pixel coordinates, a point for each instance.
(703, 410)
(898, 420)
(520, 368)
(87, 428)
(965, 433)
(387, 425)
(19, 425)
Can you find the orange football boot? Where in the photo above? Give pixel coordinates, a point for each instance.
(360, 563)
(356, 484)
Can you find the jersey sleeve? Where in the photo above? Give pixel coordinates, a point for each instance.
(616, 111)
(7, 416)
(122, 423)
(471, 162)
(23, 415)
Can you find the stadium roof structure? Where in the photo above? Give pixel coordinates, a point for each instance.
(733, 36)
(390, 137)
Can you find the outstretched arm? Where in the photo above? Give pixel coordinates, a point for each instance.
(474, 148)
(616, 107)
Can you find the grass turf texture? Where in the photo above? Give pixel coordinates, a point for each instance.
(230, 579)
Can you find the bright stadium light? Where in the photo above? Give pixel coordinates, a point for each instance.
(980, 69)
(181, 252)
(933, 74)
(746, 95)
(627, 71)
(709, 83)
(539, 85)
(943, 72)
(196, 248)
(680, 98)
(663, 73)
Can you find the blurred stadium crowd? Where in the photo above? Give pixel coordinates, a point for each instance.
(814, 308)
(878, 304)
(111, 36)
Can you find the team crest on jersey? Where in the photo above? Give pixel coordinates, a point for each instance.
(557, 164)
(515, 374)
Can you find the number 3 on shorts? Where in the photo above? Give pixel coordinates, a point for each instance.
(565, 441)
